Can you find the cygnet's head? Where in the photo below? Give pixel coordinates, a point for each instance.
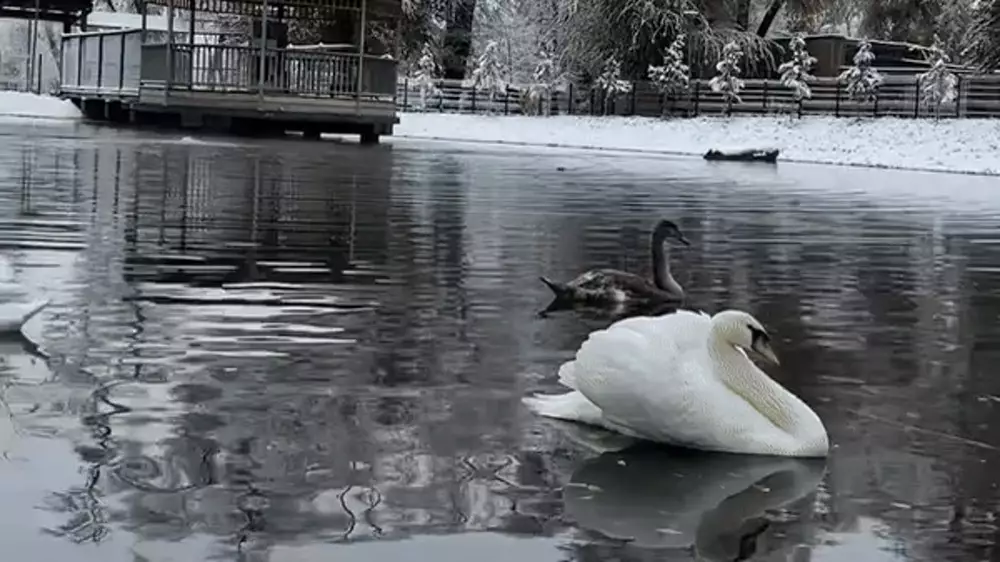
(667, 231)
(742, 329)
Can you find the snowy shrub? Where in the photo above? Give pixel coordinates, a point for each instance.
(489, 73)
(425, 76)
(673, 75)
(937, 85)
(727, 82)
(610, 82)
(862, 79)
(545, 77)
(795, 72)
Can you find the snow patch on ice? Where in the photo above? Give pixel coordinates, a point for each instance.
(26, 104)
(952, 145)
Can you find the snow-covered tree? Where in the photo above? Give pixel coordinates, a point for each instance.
(489, 72)
(673, 75)
(610, 81)
(795, 71)
(937, 85)
(727, 82)
(546, 77)
(610, 78)
(425, 77)
(862, 79)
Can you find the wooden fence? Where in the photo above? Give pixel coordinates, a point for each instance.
(899, 96)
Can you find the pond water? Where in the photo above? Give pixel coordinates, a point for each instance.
(284, 350)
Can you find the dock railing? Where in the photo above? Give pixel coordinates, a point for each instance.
(101, 62)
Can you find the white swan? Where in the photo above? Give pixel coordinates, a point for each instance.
(684, 379)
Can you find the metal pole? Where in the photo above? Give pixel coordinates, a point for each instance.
(263, 49)
(361, 55)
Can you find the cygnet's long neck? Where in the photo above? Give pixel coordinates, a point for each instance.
(785, 410)
(661, 266)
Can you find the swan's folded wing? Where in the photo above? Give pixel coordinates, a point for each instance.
(643, 374)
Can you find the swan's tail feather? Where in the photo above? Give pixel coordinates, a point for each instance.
(571, 406)
(560, 290)
(567, 375)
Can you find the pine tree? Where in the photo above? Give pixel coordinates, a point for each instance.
(489, 74)
(937, 85)
(727, 82)
(983, 48)
(610, 82)
(862, 79)
(795, 71)
(545, 78)
(425, 77)
(673, 75)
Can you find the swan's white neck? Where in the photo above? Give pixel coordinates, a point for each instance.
(785, 410)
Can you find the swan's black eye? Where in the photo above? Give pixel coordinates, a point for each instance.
(758, 335)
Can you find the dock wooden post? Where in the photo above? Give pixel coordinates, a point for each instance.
(121, 64)
(145, 22)
(191, 28)
(170, 50)
(263, 50)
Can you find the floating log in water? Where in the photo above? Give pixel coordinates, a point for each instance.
(748, 155)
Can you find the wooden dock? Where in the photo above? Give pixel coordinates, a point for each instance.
(201, 80)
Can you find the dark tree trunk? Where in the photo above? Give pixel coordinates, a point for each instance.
(743, 15)
(458, 40)
(769, 15)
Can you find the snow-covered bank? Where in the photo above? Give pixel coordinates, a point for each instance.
(954, 145)
(26, 104)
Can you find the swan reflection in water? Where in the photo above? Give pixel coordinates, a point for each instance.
(654, 497)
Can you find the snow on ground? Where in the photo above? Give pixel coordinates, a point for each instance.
(26, 104)
(953, 145)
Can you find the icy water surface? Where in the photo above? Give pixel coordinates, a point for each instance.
(293, 351)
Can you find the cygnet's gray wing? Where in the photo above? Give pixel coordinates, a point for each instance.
(605, 280)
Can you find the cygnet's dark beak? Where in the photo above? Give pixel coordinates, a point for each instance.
(683, 240)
